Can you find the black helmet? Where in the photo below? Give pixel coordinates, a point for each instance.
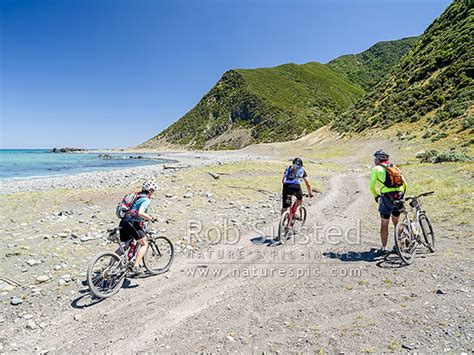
(381, 155)
(298, 161)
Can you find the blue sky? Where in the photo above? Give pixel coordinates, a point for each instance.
(113, 73)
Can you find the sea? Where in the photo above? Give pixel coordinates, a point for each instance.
(28, 163)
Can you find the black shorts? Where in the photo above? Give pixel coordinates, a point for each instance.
(291, 190)
(386, 205)
(131, 230)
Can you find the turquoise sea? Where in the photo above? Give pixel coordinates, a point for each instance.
(25, 163)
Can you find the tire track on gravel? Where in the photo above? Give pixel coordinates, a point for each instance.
(200, 296)
(243, 292)
(184, 303)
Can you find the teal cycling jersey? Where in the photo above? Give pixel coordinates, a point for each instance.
(142, 201)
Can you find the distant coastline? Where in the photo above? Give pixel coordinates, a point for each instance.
(168, 163)
(33, 163)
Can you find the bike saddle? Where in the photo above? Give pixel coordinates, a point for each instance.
(114, 230)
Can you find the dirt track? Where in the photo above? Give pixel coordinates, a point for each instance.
(317, 292)
(377, 306)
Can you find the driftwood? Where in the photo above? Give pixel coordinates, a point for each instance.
(9, 281)
(251, 188)
(214, 175)
(176, 166)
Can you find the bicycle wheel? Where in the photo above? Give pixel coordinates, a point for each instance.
(299, 223)
(428, 233)
(405, 243)
(105, 274)
(303, 215)
(284, 226)
(159, 255)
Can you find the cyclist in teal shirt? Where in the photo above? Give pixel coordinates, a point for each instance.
(132, 225)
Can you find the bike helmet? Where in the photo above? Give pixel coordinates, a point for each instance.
(381, 155)
(298, 161)
(149, 186)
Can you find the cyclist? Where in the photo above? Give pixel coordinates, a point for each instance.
(132, 225)
(292, 184)
(391, 185)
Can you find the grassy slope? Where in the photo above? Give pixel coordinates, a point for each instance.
(279, 103)
(434, 82)
(273, 104)
(369, 67)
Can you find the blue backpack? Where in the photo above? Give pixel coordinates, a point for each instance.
(293, 174)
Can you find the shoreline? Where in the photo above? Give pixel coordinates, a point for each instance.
(93, 170)
(119, 177)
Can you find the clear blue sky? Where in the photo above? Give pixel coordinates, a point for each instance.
(110, 73)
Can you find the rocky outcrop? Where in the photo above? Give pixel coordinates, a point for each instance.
(67, 150)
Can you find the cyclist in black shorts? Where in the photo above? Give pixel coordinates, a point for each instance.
(132, 225)
(292, 184)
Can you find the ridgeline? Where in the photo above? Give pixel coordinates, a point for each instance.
(428, 77)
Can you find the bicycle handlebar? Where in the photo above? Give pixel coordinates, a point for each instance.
(420, 195)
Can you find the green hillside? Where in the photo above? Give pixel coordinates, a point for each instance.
(280, 103)
(263, 105)
(433, 82)
(368, 68)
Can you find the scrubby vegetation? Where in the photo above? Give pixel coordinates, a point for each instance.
(436, 76)
(433, 156)
(368, 68)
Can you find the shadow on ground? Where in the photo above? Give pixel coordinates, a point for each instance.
(392, 261)
(267, 241)
(272, 241)
(88, 299)
(368, 256)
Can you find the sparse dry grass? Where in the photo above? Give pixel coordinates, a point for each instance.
(452, 204)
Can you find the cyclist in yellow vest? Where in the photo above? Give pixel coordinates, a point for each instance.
(391, 186)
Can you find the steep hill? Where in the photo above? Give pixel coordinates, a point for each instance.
(263, 105)
(434, 81)
(280, 103)
(369, 67)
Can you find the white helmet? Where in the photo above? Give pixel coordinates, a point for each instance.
(149, 186)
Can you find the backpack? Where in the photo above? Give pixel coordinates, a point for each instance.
(126, 204)
(393, 175)
(291, 173)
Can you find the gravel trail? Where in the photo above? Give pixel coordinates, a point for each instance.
(355, 302)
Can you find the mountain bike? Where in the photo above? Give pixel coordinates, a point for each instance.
(414, 229)
(290, 222)
(108, 270)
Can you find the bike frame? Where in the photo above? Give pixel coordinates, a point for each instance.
(293, 209)
(417, 212)
(125, 246)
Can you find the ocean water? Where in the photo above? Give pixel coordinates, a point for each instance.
(25, 163)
